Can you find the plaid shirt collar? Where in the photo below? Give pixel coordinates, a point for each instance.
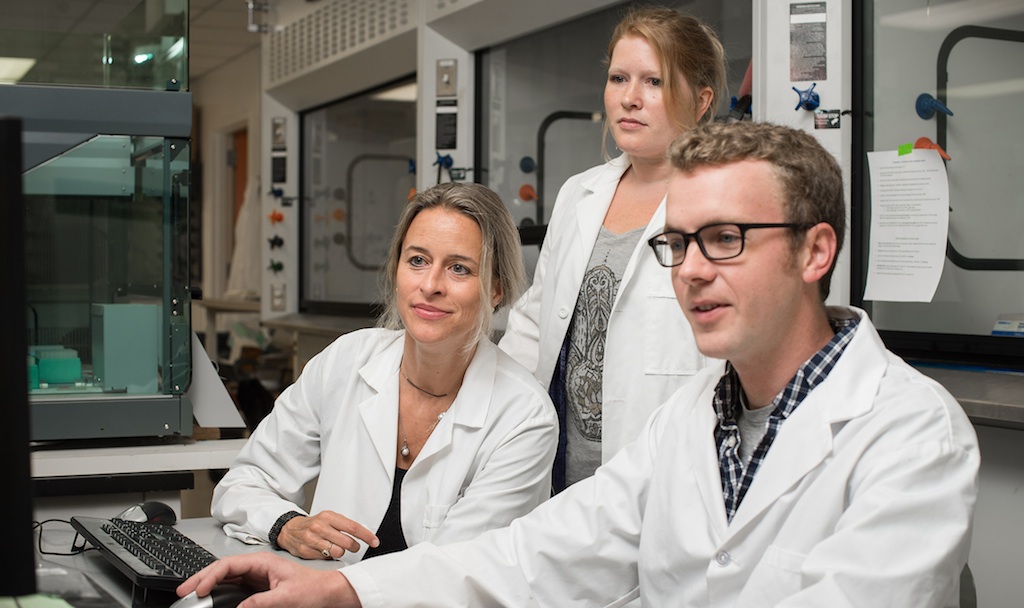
(736, 478)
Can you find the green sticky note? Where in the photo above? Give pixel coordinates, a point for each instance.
(905, 149)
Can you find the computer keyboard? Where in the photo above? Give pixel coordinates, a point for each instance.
(153, 556)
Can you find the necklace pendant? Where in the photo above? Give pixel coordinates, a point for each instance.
(405, 449)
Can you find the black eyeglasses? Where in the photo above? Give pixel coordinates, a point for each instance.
(716, 241)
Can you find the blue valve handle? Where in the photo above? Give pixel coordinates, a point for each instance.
(445, 161)
(809, 100)
(927, 105)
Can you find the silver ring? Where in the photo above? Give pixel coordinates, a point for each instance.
(327, 552)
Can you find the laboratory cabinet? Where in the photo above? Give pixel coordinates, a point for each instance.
(941, 78)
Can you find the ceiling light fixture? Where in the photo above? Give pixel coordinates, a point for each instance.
(406, 92)
(952, 14)
(13, 69)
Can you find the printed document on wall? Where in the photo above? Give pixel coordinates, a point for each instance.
(909, 224)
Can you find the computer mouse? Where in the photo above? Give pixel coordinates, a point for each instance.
(151, 511)
(224, 595)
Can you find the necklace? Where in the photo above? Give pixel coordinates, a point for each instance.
(401, 425)
(422, 390)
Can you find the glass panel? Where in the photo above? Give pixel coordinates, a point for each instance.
(543, 105)
(106, 270)
(358, 172)
(141, 45)
(969, 55)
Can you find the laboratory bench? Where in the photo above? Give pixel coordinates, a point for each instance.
(990, 398)
(217, 306)
(314, 332)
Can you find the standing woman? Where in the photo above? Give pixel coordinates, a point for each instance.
(420, 430)
(600, 327)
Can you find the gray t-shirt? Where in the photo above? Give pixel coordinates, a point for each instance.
(752, 425)
(585, 361)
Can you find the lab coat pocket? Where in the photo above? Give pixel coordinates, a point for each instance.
(775, 577)
(669, 347)
(433, 517)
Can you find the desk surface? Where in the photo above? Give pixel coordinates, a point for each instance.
(88, 580)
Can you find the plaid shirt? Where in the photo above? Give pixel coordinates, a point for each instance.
(736, 478)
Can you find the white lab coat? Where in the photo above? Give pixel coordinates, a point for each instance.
(487, 462)
(649, 350)
(865, 499)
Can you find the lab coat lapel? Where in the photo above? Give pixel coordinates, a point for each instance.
(380, 411)
(805, 439)
(591, 210)
(588, 214)
(700, 441)
(788, 460)
(471, 404)
(655, 226)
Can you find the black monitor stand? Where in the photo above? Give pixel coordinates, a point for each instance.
(16, 552)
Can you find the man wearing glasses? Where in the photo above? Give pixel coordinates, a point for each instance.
(811, 468)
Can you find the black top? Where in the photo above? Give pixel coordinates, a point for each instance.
(390, 531)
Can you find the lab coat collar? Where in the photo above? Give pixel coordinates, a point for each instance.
(806, 438)
(610, 176)
(600, 187)
(380, 412)
(854, 379)
(471, 404)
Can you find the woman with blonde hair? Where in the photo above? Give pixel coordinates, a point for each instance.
(600, 326)
(418, 430)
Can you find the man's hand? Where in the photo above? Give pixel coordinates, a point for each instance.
(326, 535)
(282, 583)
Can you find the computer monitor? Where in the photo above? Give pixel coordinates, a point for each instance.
(16, 552)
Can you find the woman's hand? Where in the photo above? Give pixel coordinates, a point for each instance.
(290, 584)
(326, 535)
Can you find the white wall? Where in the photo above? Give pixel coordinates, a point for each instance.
(286, 279)
(775, 99)
(432, 48)
(228, 99)
(997, 549)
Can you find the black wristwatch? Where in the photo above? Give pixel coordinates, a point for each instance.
(275, 530)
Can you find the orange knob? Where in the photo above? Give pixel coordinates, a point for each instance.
(527, 193)
(923, 143)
